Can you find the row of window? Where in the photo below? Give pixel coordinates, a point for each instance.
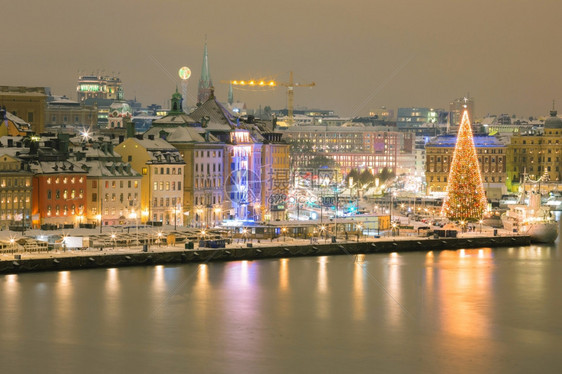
(66, 194)
(65, 210)
(113, 184)
(65, 180)
(208, 183)
(216, 168)
(107, 198)
(207, 200)
(202, 153)
(16, 182)
(166, 202)
(486, 179)
(167, 186)
(167, 170)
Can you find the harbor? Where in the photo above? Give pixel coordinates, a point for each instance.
(156, 254)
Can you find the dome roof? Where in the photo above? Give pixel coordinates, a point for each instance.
(553, 122)
(120, 109)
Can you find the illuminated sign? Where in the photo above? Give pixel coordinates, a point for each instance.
(89, 87)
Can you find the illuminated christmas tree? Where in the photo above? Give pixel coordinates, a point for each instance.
(466, 199)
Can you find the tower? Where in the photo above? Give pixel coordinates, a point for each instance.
(465, 199)
(205, 83)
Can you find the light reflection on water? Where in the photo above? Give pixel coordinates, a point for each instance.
(446, 311)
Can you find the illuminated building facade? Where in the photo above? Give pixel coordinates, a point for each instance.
(275, 176)
(15, 191)
(59, 193)
(537, 153)
(360, 148)
(97, 87)
(113, 187)
(491, 157)
(162, 169)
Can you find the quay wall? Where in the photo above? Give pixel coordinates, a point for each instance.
(255, 252)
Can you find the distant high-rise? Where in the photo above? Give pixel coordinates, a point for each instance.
(205, 83)
(456, 108)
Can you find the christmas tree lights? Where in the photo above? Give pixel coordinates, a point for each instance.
(465, 200)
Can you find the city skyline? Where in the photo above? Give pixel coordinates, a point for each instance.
(362, 57)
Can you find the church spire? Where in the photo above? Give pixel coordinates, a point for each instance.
(205, 83)
(230, 94)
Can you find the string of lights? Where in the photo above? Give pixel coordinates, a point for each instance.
(465, 199)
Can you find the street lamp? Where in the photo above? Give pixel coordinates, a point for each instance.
(480, 222)
(360, 231)
(159, 237)
(218, 211)
(284, 231)
(133, 215)
(99, 219)
(113, 239)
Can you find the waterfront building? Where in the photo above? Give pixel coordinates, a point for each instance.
(162, 168)
(15, 189)
(537, 153)
(28, 103)
(275, 177)
(204, 155)
(491, 157)
(113, 187)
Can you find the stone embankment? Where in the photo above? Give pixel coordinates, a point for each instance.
(21, 264)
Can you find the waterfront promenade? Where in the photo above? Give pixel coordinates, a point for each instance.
(246, 250)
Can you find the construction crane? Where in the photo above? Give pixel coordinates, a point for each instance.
(291, 84)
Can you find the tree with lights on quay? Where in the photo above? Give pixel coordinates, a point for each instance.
(465, 200)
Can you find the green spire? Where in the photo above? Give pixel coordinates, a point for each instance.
(205, 83)
(230, 94)
(176, 103)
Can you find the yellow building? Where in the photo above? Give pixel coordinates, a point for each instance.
(162, 169)
(537, 153)
(12, 125)
(491, 157)
(28, 103)
(15, 191)
(275, 177)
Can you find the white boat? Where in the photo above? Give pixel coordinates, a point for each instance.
(531, 219)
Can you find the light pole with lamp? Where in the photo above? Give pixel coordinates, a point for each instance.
(480, 226)
(133, 215)
(99, 220)
(218, 211)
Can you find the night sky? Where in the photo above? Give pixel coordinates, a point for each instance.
(362, 54)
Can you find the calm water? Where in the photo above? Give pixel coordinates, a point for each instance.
(471, 311)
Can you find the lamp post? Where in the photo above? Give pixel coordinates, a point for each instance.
(113, 240)
(359, 232)
(99, 219)
(133, 215)
(480, 222)
(218, 211)
(284, 231)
